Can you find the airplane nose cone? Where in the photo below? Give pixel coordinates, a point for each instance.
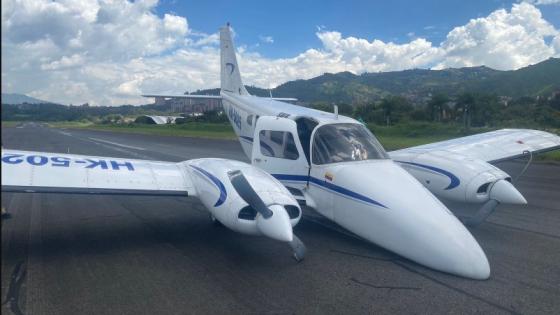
(413, 223)
(278, 226)
(504, 192)
(454, 251)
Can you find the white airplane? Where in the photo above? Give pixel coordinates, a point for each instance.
(326, 161)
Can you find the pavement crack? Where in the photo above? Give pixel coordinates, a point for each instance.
(16, 280)
(384, 287)
(458, 290)
(362, 256)
(397, 261)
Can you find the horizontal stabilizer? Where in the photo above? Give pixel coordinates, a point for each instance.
(213, 97)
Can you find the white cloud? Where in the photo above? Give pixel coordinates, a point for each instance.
(266, 39)
(64, 63)
(175, 24)
(503, 40)
(542, 2)
(110, 52)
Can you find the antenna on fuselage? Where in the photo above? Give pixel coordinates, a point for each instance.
(270, 92)
(335, 111)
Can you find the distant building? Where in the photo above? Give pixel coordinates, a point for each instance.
(189, 105)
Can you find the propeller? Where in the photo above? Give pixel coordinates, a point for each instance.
(246, 191)
(272, 221)
(501, 192)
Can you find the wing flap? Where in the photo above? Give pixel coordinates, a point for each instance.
(493, 146)
(26, 171)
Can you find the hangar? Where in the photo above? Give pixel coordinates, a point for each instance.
(156, 120)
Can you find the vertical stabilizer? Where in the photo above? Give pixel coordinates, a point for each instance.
(230, 75)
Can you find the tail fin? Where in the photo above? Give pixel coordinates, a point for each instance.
(230, 75)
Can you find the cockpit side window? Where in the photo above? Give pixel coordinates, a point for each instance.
(345, 142)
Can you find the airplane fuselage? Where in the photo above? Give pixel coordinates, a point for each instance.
(361, 189)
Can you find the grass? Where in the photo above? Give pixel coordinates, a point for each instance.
(7, 124)
(197, 130)
(549, 156)
(412, 134)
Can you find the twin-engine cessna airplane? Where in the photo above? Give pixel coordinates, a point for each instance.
(326, 161)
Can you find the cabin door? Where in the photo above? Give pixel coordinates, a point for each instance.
(277, 150)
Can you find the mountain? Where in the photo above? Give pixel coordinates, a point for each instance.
(14, 98)
(419, 84)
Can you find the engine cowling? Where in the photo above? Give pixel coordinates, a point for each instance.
(211, 178)
(453, 176)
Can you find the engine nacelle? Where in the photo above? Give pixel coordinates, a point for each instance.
(215, 191)
(452, 176)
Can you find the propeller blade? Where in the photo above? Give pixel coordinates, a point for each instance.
(487, 208)
(299, 248)
(501, 192)
(248, 194)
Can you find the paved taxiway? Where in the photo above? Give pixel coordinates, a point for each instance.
(70, 254)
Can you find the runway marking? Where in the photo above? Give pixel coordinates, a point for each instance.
(118, 144)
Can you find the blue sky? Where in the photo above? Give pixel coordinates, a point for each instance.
(293, 24)
(110, 52)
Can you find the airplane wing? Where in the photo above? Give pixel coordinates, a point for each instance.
(493, 146)
(26, 171)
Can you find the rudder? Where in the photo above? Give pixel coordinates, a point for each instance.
(230, 75)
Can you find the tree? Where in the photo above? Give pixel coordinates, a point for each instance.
(394, 109)
(437, 105)
(466, 103)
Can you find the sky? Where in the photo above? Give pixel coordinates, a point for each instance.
(110, 52)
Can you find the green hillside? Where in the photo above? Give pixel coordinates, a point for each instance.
(419, 84)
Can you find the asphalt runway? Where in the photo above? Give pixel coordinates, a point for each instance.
(77, 254)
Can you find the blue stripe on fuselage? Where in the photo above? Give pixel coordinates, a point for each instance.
(329, 186)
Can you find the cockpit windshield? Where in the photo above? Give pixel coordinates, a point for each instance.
(345, 142)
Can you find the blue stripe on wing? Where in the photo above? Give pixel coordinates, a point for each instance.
(217, 182)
